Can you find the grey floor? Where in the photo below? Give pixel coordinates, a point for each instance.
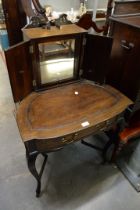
(73, 178)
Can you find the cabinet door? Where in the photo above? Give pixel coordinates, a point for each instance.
(96, 57)
(124, 70)
(18, 61)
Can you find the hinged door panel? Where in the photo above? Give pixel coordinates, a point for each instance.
(96, 57)
(19, 66)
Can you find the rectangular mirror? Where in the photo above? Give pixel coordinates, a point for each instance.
(56, 60)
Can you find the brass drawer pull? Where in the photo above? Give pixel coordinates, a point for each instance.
(64, 140)
(108, 122)
(126, 46)
(67, 141)
(75, 135)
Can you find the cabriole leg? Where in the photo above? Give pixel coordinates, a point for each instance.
(31, 159)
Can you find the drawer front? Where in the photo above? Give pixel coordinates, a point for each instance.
(54, 144)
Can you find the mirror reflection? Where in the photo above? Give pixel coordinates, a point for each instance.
(56, 60)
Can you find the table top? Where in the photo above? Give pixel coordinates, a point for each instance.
(68, 109)
(133, 21)
(36, 33)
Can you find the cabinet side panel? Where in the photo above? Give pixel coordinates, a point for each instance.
(20, 70)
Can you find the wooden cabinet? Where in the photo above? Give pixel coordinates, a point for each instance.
(126, 7)
(124, 70)
(63, 107)
(87, 57)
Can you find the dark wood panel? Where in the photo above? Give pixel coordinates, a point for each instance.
(20, 71)
(126, 7)
(96, 57)
(15, 20)
(124, 71)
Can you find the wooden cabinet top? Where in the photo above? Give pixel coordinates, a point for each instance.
(126, 7)
(132, 21)
(35, 33)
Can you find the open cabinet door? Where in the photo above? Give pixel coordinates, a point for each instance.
(18, 61)
(96, 57)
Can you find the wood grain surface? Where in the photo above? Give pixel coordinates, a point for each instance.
(68, 109)
(36, 33)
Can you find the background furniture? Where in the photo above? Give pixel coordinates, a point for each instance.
(124, 71)
(126, 8)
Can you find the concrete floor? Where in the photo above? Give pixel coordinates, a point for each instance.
(73, 178)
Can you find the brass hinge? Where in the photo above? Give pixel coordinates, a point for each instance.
(84, 41)
(31, 49)
(80, 72)
(34, 83)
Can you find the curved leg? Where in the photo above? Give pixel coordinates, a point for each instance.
(114, 139)
(31, 159)
(105, 149)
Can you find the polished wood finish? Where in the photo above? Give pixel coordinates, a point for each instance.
(42, 120)
(15, 19)
(19, 66)
(124, 73)
(123, 8)
(133, 21)
(96, 57)
(23, 59)
(67, 112)
(39, 33)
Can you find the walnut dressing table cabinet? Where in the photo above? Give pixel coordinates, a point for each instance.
(57, 107)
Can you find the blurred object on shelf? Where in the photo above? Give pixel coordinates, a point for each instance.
(2, 18)
(82, 9)
(2, 26)
(4, 41)
(49, 10)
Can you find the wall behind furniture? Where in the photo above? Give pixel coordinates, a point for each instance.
(66, 5)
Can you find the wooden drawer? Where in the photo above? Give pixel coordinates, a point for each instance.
(54, 144)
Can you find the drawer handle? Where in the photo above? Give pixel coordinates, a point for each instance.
(66, 141)
(75, 135)
(125, 46)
